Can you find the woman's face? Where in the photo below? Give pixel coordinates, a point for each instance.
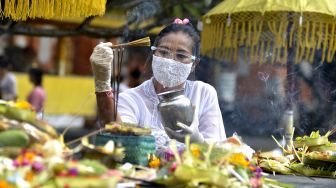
(177, 46)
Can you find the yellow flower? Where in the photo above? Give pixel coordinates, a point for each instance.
(19, 159)
(29, 176)
(23, 105)
(195, 151)
(4, 184)
(30, 156)
(238, 159)
(154, 162)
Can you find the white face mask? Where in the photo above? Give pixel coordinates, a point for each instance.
(170, 73)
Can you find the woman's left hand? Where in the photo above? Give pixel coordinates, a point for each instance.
(192, 130)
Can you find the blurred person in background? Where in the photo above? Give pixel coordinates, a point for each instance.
(8, 88)
(37, 96)
(121, 80)
(137, 58)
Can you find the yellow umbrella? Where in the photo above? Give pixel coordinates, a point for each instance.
(271, 27)
(47, 9)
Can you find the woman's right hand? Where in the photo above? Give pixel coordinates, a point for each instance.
(101, 61)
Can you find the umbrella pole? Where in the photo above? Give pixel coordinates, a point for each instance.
(291, 84)
(291, 98)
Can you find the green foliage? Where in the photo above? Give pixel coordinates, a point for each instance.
(98, 168)
(14, 138)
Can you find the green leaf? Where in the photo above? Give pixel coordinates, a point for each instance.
(243, 173)
(98, 168)
(211, 175)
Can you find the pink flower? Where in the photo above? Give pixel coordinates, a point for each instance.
(25, 162)
(38, 166)
(114, 173)
(16, 163)
(256, 182)
(173, 167)
(168, 156)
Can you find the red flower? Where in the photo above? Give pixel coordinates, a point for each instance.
(172, 167)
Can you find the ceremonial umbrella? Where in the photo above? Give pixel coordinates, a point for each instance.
(47, 9)
(275, 31)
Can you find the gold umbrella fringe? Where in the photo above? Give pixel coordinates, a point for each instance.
(47, 9)
(268, 40)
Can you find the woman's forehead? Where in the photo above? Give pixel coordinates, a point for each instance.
(177, 41)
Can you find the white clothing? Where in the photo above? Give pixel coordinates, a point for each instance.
(8, 87)
(139, 106)
(122, 87)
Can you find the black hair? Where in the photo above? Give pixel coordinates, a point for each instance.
(4, 63)
(185, 28)
(37, 76)
(189, 30)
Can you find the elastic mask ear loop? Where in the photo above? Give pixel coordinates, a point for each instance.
(194, 60)
(193, 67)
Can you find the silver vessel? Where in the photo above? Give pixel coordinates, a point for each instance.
(175, 107)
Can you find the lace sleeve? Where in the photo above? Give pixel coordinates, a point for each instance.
(211, 122)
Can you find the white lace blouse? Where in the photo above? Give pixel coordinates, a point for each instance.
(139, 105)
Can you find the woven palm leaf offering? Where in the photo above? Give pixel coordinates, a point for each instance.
(20, 129)
(24, 112)
(220, 165)
(137, 141)
(85, 173)
(52, 163)
(312, 155)
(314, 139)
(33, 155)
(28, 163)
(34, 169)
(109, 154)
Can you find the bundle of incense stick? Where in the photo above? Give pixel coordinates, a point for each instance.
(140, 42)
(116, 66)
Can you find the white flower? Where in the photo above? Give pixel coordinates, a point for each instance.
(6, 164)
(53, 148)
(55, 160)
(126, 167)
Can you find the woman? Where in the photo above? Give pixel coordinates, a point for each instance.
(175, 55)
(37, 96)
